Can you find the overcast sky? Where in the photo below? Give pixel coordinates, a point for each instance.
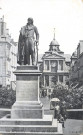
(66, 16)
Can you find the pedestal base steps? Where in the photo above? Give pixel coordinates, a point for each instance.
(45, 126)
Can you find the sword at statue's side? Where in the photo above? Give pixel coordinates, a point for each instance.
(36, 44)
(37, 50)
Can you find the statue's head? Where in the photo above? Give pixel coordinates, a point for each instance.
(30, 20)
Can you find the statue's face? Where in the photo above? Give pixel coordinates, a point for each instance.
(29, 21)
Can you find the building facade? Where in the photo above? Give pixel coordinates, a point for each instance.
(73, 70)
(76, 71)
(55, 67)
(8, 56)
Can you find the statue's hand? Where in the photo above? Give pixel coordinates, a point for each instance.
(37, 41)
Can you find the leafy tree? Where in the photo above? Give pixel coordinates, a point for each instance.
(7, 97)
(72, 97)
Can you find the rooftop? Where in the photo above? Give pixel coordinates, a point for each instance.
(54, 42)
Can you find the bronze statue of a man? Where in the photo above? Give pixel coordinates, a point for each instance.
(26, 43)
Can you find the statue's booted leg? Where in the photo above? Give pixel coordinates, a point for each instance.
(27, 51)
(33, 58)
(28, 59)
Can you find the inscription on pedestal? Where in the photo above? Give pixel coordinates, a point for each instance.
(27, 90)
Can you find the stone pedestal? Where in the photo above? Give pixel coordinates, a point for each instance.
(27, 103)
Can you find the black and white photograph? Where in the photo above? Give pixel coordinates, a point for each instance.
(41, 67)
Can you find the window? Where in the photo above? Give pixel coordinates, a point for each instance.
(2, 25)
(66, 77)
(1, 66)
(54, 79)
(0, 86)
(46, 64)
(53, 64)
(46, 80)
(60, 65)
(60, 78)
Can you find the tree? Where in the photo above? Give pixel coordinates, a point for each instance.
(7, 97)
(71, 97)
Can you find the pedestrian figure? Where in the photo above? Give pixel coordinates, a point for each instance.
(61, 120)
(56, 111)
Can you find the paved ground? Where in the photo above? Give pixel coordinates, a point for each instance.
(72, 127)
(46, 102)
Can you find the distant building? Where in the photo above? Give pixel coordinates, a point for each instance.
(55, 66)
(76, 71)
(8, 56)
(80, 60)
(73, 70)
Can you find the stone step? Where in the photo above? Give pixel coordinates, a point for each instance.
(14, 132)
(31, 133)
(30, 128)
(18, 122)
(47, 120)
